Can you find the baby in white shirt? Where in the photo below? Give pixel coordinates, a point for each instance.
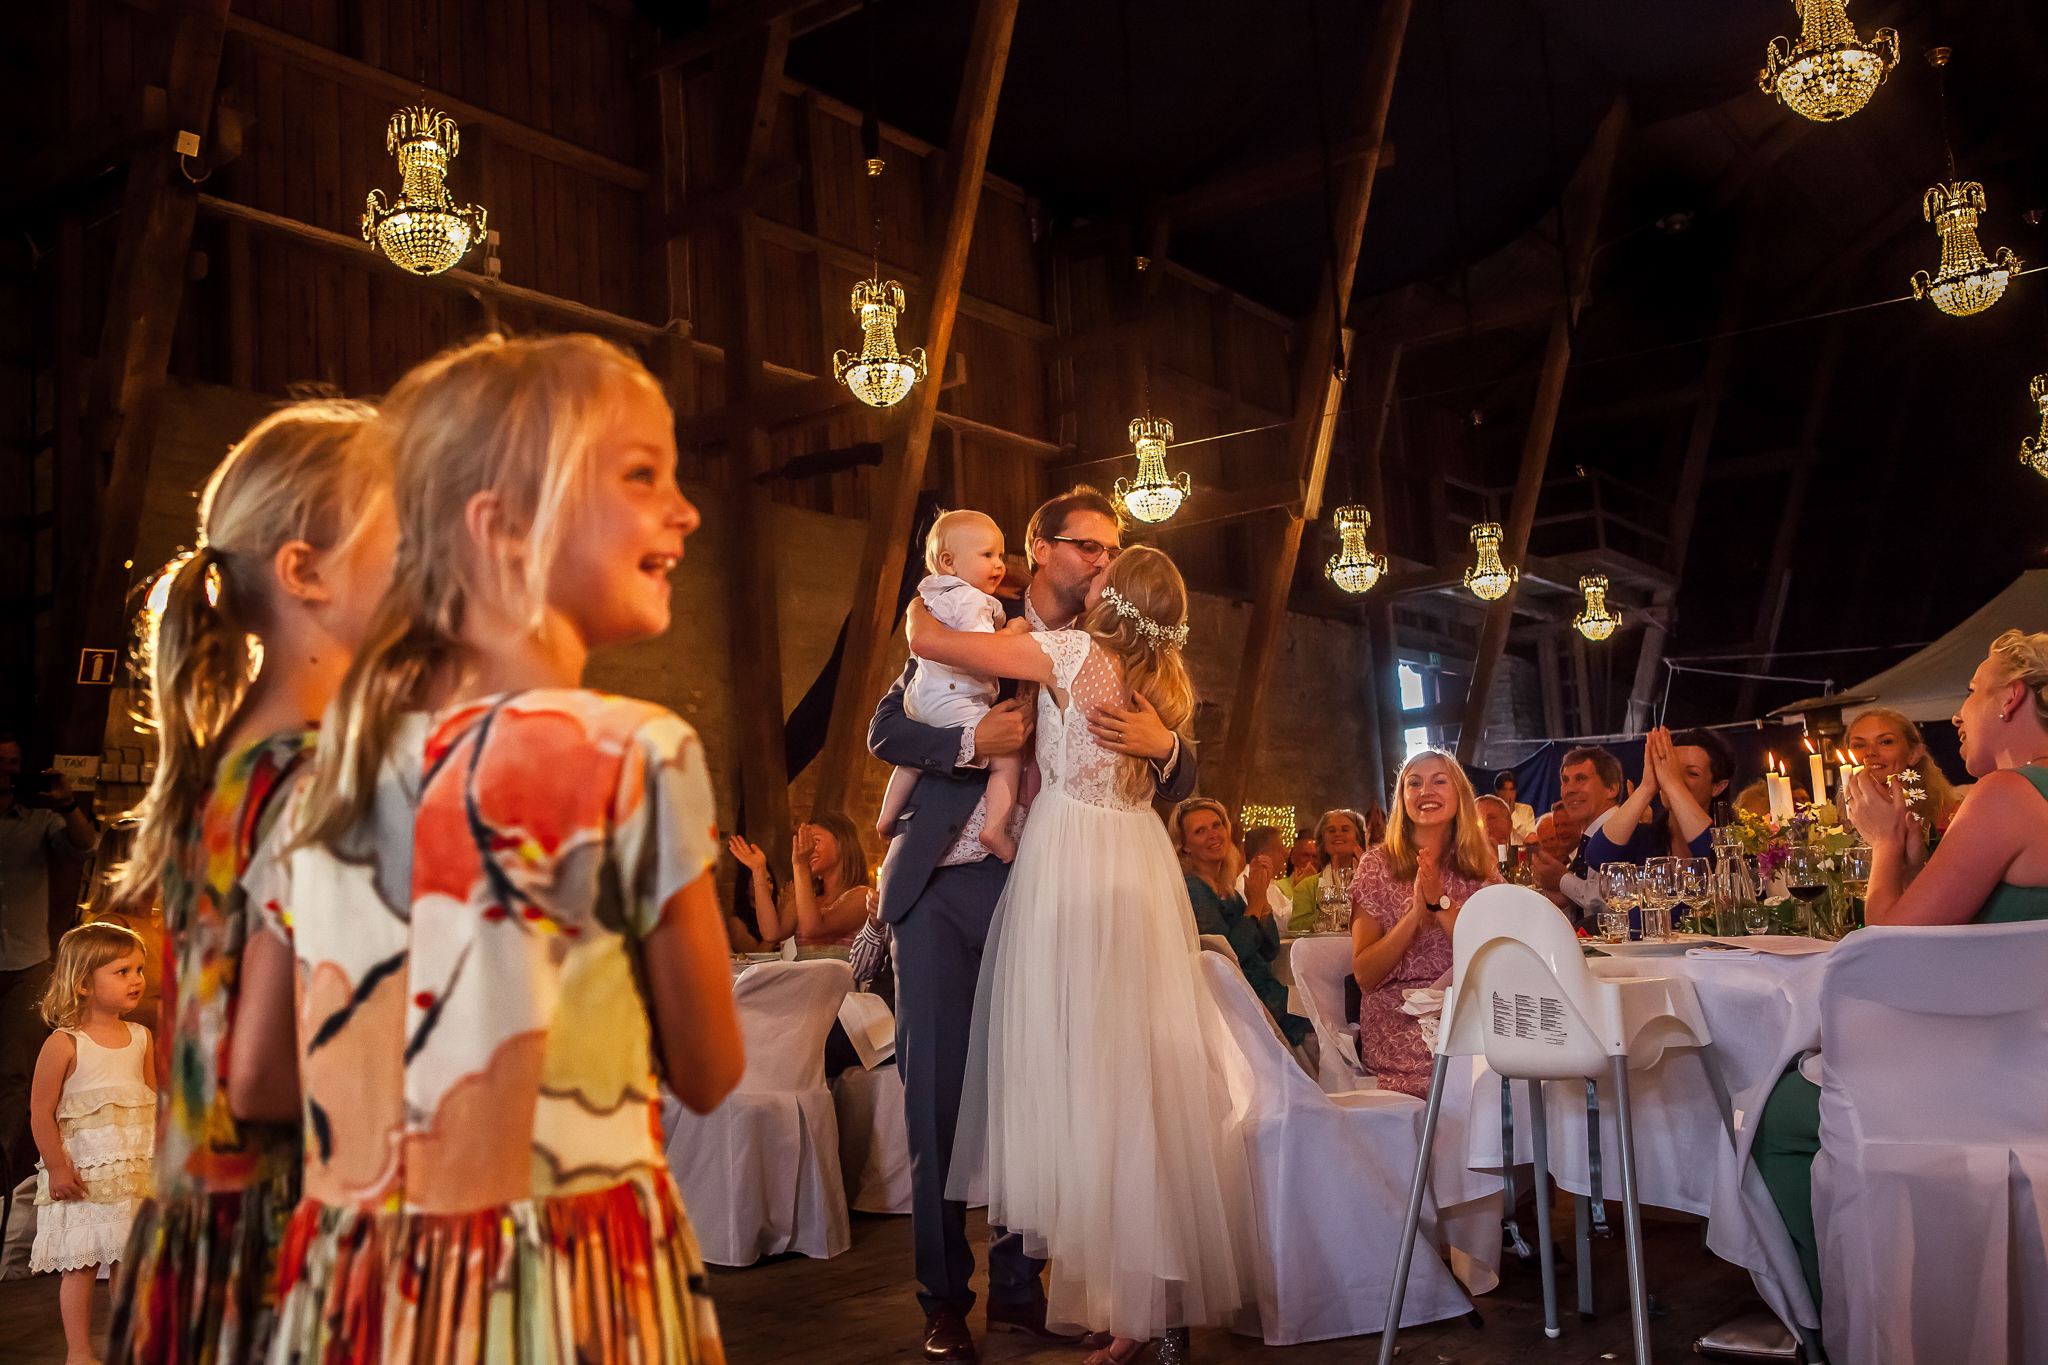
(963, 557)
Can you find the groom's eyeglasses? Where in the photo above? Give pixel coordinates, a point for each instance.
(1090, 549)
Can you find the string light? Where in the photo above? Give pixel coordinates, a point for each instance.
(1354, 568)
(1830, 73)
(1594, 620)
(1152, 496)
(1488, 578)
(423, 232)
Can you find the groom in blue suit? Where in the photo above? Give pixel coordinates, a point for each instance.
(939, 889)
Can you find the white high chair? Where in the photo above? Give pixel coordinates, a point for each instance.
(1521, 995)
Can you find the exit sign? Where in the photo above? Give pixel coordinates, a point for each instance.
(96, 666)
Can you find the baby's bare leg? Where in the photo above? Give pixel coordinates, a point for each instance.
(1005, 774)
(901, 780)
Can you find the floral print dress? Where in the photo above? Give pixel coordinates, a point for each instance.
(197, 1284)
(1389, 1041)
(484, 1176)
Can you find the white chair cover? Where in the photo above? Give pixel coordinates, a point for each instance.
(760, 1173)
(1931, 1188)
(874, 1144)
(1320, 966)
(1328, 1179)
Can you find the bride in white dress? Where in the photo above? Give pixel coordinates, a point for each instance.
(1107, 1119)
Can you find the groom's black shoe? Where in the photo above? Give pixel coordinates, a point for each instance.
(1030, 1320)
(946, 1336)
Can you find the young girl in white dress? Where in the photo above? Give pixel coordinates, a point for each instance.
(92, 1108)
(1107, 1115)
(963, 559)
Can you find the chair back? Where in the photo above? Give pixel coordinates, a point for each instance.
(1263, 1075)
(1320, 966)
(1522, 995)
(786, 1011)
(1938, 1034)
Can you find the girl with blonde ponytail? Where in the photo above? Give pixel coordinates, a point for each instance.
(495, 878)
(245, 643)
(1092, 1003)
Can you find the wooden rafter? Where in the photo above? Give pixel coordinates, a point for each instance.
(1584, 200)
(1317, 393)
(1241, 191)
(894, 504)
(143, 297)
(744, 20)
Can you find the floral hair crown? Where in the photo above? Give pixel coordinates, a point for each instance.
(1162, 637)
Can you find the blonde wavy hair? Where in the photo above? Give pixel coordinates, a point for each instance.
(1146, 579)
(1233, 857)
(1471, 855)
(299, 475)
(2025, 658)
(1941, 796)
(516, 418)
(81, 952)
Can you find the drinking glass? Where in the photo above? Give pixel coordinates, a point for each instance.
(1756, 917)
(1333, 899)
(1620, 894)
(1692, 893)
(1660, 886)
(1804, 879)
(1725, 894)
(1613, 925)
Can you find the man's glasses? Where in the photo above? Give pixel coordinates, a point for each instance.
(1090, 549)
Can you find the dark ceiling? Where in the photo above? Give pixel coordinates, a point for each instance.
(1918, 509)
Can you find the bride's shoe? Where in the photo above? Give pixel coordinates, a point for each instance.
(1173, 1348)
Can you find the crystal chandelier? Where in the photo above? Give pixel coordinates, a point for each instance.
(1830, 73)
(423, 232)
(1354, 568)
(1488, 578)
(2034, 450)
(1152, 496)
(1594, 620)
(880, 375)
(1966, 282)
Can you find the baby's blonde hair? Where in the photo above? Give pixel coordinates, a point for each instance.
(519, 419)
(80, 953)
(949, 522)
(298, 475)
(2025, 658)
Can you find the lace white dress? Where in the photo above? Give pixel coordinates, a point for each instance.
(106, 1116)
(1107, 1122)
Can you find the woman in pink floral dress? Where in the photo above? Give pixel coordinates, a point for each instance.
(1405, 900)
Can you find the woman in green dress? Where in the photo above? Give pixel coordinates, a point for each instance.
(1991, 868)
(1340, 839)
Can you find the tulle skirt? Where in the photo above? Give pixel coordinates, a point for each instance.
(1108, 1125)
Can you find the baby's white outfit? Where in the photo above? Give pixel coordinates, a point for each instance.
(107, 1119)
(941, 695)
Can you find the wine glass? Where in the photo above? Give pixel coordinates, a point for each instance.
(1620, 895)
(1692, 892)
(1660, 888)
(1804, 880)
(1855, 865)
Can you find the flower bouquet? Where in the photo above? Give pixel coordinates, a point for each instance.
(1814, 839)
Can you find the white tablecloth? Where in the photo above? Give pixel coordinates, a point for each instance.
(1763, 1012)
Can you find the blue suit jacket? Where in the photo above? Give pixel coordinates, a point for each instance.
(945, 796)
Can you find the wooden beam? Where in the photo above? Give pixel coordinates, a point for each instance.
(1209, 505)
(703, 211)
(1382, 686)
(737, 21)
(82, 157)
(893, 505)
(143, 297)
(846, 258)
(1317, 393)
(1584, 200)
(753, 66)
(676, 359)
(1240, 191)
(374, 80)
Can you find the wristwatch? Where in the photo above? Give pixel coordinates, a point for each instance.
(1443, 902)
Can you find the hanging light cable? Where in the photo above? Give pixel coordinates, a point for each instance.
(1966, 281)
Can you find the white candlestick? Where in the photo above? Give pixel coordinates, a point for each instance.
(1780, 788)
(1819, 772)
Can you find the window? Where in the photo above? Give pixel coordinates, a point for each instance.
(1412, 695)
(1417, 739)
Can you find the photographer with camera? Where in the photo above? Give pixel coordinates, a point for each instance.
(39, 817)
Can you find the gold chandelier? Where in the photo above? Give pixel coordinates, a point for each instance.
(1152, 496)
(2034, 450)
(880, 375)
(1354, 567)
(1830, 73)
(1594, 620)
(1965, 282)
(423, 232)
(1488, 578)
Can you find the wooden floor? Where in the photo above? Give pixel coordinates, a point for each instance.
(862, 1307)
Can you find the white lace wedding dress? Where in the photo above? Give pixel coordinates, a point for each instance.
(1107, 1117)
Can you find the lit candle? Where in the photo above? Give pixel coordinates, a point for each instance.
(1780, 787)
(1818, 771)
(1848, 769)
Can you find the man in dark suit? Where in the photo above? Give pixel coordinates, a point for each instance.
(939, 889)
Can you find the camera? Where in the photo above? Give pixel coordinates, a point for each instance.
(32, 788)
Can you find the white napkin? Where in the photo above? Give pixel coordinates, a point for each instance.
(1722, 952)
(869, 1027)
(1427, 1006)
